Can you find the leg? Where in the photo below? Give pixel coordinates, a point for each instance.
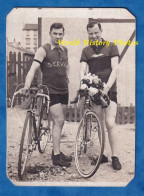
(110, 115)
(100, 113)
(110, 124)
(58, 122)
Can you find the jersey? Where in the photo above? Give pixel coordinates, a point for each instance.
(53, 62)
(99, 60)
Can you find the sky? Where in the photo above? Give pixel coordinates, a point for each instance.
(16, 20)
(19, 16)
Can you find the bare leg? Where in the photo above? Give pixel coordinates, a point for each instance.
(99, 111)
(110, 115)
(58, 122)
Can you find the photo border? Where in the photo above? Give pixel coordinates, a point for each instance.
(136, 186)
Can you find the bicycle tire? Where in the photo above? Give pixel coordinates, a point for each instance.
(44, 132)
(26, 137)
(89, 146)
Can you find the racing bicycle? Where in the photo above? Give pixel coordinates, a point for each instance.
(89, 145)
(36, 130)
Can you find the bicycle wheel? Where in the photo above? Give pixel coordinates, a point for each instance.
(44, 132)
(26, 141)
(89, 145)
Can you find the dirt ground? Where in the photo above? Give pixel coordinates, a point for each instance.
(40, 170)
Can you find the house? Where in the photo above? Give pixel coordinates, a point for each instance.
(30, 37)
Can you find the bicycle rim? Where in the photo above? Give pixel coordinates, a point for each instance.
(89, 145)
(44, 133)
(25, 143)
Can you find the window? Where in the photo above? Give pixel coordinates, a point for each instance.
(35, 33)
(35, 41)
(27, 41)
(27, 33)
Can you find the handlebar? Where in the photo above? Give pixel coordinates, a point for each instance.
(30, 91)
(43, 95)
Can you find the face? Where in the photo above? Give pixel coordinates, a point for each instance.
(56, 34)
(94, 33)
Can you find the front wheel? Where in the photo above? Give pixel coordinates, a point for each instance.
(89, 145)
(44, 132)
(25, 144)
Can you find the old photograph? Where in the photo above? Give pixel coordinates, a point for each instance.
(70, 96)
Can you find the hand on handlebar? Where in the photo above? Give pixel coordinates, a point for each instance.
(23, 91)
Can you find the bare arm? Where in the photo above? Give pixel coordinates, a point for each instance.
(31, 74)
(83, 70)
(114, 73)
(39, 56)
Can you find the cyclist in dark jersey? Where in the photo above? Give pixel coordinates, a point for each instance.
(52, 58)
(102, 60)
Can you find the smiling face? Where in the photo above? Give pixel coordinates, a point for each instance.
(94, 33)
(56, 34)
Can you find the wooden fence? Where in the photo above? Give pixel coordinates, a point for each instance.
(124, 114)
(18, 66)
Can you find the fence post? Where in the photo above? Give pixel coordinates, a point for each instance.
(9, 74)
(19, 74)
(75, 113)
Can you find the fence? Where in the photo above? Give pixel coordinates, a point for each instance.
(124, 114)
(17, 68)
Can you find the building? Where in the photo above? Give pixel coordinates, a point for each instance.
(16, 47)
(30, 37)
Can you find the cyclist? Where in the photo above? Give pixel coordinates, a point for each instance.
(102, 60)
(52, 58)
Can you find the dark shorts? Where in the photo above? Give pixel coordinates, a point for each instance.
(113, 96)
(58, 98)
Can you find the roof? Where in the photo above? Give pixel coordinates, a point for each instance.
(20, 48)
(30, 27)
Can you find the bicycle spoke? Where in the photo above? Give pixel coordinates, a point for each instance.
(25, 144)
(44, 133)
(89, 147)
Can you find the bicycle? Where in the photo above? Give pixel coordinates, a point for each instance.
(89, 145)
(36, 129)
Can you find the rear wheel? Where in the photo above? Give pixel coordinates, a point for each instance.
(25, 144)
(44, 133)
(89, 145)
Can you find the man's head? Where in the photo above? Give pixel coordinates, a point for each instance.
(56, 33)
(94, 31)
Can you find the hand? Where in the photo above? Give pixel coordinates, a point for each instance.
(83, 87)
(23, 91)
(96, 80)
(106, 89)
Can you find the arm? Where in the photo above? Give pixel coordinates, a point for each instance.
(83, 70)
(39, 56)
(31, 74)
(113, 75)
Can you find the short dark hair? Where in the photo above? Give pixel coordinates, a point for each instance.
(92, 24)
(56, 26)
